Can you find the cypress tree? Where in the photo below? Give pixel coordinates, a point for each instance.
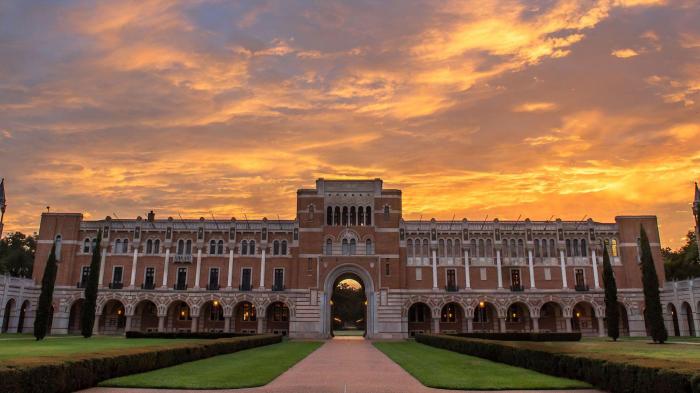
(43, 309)
(612, 312)
(652, 300)
(87, 317)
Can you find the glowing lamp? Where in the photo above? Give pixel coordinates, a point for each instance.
(365, 302)
(481, 304)
(515, 315)
(578, 315)
(216, 303)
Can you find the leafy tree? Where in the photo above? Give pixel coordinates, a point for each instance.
(612, 312)
(17, 252)
(650, 281)
(43, 310)
(348, 305)
(87, 317)
(684, 263)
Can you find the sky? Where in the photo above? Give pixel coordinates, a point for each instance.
(533, 109)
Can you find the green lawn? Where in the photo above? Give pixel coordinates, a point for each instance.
(25, 349)
(249, 368)
(439, 368)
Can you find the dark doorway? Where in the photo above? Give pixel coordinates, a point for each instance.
(348, 307)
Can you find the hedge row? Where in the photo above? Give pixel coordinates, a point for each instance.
(523, 336)
(608, 375)
(72, 375)
(207, 335)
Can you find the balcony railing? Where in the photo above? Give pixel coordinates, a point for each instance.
(180, 287)
(182, 258)
(244, 287)
(81, 284)
(516, 288)
(278, 287)
(582, 288)
(451, 288)
(213, 287)
(116, 285)
(148, 285)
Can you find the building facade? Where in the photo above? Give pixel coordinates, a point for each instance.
(278, 275)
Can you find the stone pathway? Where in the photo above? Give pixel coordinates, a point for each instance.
(341, 365)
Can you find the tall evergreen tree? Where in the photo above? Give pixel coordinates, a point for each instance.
(612, 312)
(652, 301)
(87, 317)
(43, 309)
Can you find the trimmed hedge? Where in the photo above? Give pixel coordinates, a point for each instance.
(72, 375)
(608, 375)
(205, 335)
(523, 336)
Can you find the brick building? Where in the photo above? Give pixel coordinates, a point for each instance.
(278, 275)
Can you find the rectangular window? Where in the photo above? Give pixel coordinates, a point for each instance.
(482, 274)
(547, 274)
(214, 277)
(278, 279)
(181, 277)
(419, 274)
(451, 278)
(387, 269)
(150, 277)
(580, 281)
(515, 278)
(84, 276)
(246, 279)
(117, 274)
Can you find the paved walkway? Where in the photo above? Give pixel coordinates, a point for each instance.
(341, 365)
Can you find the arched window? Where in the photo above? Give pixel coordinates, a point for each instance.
(156, 246)
(125, 246)
(353, 246)
(244, 247)
(457, 251)
(336, 216)
(411, 253)
(368, 247)
(489, 248)
(346, 247)
(552, 249)
(251, 247)
(283, 250)
(360, 216)
(188, 247)
(568, 247)
(353, 216)
(118, 246)
(149, 246)
(86, 245)
(481, 248)
(329, 215)
(537, 248)
(426, 249)
(474, 250)
(513, 249)
(212, 247)
(345, 215)
(521, 248)
(584, 249)
(368, 215)
(311, 212)
(386, 212)
(575, 250)
(441, 247)
(506, 249)
(613, 247)
(448, 248)
(275, 247)
(180, 247)
(57, 243)
(329, 247)
(220, 247)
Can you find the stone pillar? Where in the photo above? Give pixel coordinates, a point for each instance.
(230, 269)
(562, 262)
(435, 280)
(567, 320)
(467, 279)
(262, 268)
(133, 267)
(165, 268)
(596, 281)
(498, 269)
(601, 327)
(161, 324)
(470, 325)
(60, 323)
(536, 325)
(502, 325)
(127, 327)
(531, 266)
(96, 325)
(227, 324)
(199, 268)
(261, 325)
(103, 256)
(436, 325)
(195, 321)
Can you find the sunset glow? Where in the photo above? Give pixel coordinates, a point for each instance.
(563, 109)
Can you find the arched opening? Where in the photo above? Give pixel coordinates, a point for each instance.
(9, 306)
(277, 319)
(74, 316)
(145, 317)
(518, 318)
(179, 318)
(485, 316)
(552, 318)
(212, 317)
(245, 318)
(419, 317)
(687, 314)
(584, 319)
(674, 319)
(624, 320)
(22, 315)
(113, 320)
(452, 318)
(348, 306)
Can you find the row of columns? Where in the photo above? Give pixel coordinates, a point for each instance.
(228, 323)
(502, 325)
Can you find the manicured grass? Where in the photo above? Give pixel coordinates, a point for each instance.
(444, 369)
(249, 368)
(25, 349)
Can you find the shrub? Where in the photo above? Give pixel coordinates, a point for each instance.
(206, 335)
(612, 376)
(516, 336)
(76, 374)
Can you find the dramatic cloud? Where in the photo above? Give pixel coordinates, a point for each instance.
(508, 108)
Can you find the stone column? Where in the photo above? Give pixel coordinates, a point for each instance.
(96, 325)
(261, 325)
(161, 324)
(601, 327)
(227, 324)
(262, 268)
(470, 325)
(435, 280)
(467, 279)
(165, 268)
(127, 327)
(133, 268)
(103, 256)
(502, 324)
(531, 266)
(230, 269)
(567, 320)
(596, 282)
(195, 321)
(498, 269)
(535, 325)
(562, 262)
(199, 268)
(436, 325)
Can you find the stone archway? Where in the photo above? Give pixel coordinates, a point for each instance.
(367, 284)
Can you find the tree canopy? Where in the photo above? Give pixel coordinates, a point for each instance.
(683, 263)
(17, 252)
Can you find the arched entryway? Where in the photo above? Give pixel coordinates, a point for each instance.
(113, 319)
(22, 316)
(552, 318)
(245, 318)
(9, 307)
(212, 317)
(419, 319)
(584, 319)
(518, 318)
(348, 306)
(277, 319)
(145, 317)
(624, 320)
(687, 316)
(674, 319)
(452, 319)
(74, 316)
(361, 276)
(178, 318)
(485, 318)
